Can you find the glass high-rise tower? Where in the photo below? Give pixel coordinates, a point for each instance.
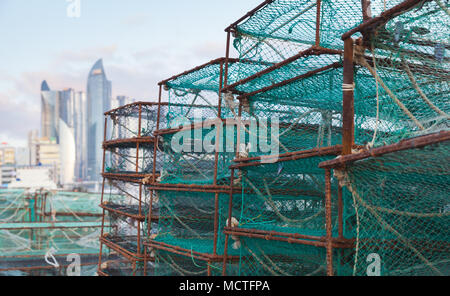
(49, 112)
(98, 102)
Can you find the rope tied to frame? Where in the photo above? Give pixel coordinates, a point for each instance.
(344, 180)
(348, 86)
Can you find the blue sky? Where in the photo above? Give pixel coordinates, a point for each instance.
(140, 41)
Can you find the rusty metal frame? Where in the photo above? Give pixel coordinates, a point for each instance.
(413, 143)
(314, 50)
(127, 254)
(289, 156)
(292, 238)
(113, 111)
(136, 178)
(189, 253)
(370, 23)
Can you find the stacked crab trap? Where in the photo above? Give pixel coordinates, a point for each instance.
(321, 149)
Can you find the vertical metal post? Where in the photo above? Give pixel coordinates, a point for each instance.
(156, 138)
(145, 261)
(139, 135)
(139, 222)
(329, 246)
(348, 125)
(227, 57)
(230, 208)
(150, 213)
(103, 192)
(216, 164)
(319, 2)
(340, 213)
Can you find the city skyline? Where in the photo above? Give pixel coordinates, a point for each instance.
(138, 46)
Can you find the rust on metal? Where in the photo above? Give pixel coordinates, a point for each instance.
(348, 113)
(412, 143)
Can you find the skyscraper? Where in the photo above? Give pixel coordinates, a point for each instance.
(49, 112)
(66, 106)
(98, 102)
(66, 135)
(80, 125)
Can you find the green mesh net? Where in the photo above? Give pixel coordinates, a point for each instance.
(31, 223)
(401, 211)
(408, 59)
(123, 122)
(390, 215)
(189, 155)
(187, 220)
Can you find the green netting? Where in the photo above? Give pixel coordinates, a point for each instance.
(283, 28)
(123, 123)
(189, 156)
(114, 265)
(31, 223)
(187, 220)
(170, 264)
(286, 197)
(395, 206)
(287, 128)
(408, 58)
(195, 94)
(122, 159)
(38, 267)
(273, 258)
(296, 68)
(402, 211)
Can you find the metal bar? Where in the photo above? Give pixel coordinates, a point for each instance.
(155, 148)
(383, 17)
(269, 234)
(310, 51)
(348, 112)
(103, 192)
(334, 150)
(413, 143)
(183, 189)
(112, 111)
(340, 213)
(49, 225)
(328, 222)
(247, 15)
(129, 143)
(212, 62)
(227, 59)
(230, 208)
(291, 80)
(216, 222)
(318, 23)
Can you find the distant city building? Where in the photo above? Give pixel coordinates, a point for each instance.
(66, 106)
(34, 177)
(7, 164)
(67, 153)
(119, 101)
(98, 102)
(33, 138)
(7, 155)
(46, 153)
(80, 128)
(23, 156)
(49, 112)
(74, 123)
